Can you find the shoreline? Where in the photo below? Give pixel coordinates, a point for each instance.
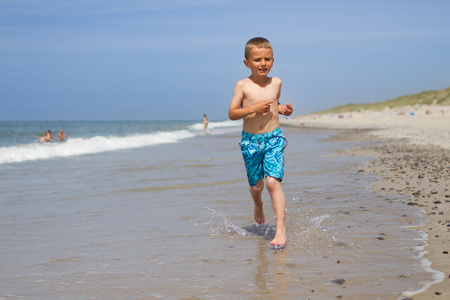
(421, 173)
(411, 157)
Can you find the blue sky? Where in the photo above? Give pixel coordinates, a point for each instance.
(179, 59)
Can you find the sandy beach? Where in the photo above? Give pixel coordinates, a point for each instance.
(174, 220)
(412, 158)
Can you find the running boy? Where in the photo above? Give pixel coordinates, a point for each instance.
(256, 100)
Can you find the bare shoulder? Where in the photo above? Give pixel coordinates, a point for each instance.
(243, 83)
(276, 80)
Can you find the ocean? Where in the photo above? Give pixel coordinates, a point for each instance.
(158, 210)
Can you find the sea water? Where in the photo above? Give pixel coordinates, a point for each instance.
(149, 210)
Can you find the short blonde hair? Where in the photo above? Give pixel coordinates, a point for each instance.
(257, 42)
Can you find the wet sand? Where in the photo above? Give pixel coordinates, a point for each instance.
(412, 158)
(175, 221)
(172, 221)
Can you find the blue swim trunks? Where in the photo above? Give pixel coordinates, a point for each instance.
(263, 155)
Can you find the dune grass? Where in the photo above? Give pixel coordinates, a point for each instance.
(441, 97)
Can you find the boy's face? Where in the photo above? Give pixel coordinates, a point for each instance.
(260, 61)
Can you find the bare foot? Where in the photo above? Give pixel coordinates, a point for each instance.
(259, 214)
(280, 240)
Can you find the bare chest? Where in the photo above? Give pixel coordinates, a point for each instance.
(254, 95)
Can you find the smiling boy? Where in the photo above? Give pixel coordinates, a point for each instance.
(256, 101)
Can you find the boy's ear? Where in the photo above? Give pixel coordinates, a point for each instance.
(246, 63)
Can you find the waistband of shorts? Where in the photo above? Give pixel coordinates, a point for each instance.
(259, 136)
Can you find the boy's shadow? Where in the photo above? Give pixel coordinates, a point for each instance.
(265, 230)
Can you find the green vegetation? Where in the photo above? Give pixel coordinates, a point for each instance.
(441, 97)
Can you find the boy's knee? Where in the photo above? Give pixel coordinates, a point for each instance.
(258, 187)
(272, 183)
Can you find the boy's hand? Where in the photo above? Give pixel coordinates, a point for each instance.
(262, 106)
(285, 110)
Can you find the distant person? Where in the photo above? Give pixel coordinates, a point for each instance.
(44, 138)
(61, 136)
(50, 135)
(205, 124)
(256, 100)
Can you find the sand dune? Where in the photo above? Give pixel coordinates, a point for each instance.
(426, 125)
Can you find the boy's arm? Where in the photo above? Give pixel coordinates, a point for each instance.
(236, 110)
(285, 110)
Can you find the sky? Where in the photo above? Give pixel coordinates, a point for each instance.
(180, 59)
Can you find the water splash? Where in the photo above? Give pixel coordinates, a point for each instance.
(317, 221)
(219, 223)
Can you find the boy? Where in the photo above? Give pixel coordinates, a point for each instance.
(255, 99)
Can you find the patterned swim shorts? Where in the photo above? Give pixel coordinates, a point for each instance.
(263, 155)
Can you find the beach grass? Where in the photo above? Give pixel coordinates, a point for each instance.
(440, 97)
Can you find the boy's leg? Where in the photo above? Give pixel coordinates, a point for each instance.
(279, 209)
(256, 192)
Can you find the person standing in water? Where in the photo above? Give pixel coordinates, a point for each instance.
(61, 136)
(205, 124)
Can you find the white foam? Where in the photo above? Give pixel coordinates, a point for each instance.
(216, 125)
(81, 146)
(436, 276)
